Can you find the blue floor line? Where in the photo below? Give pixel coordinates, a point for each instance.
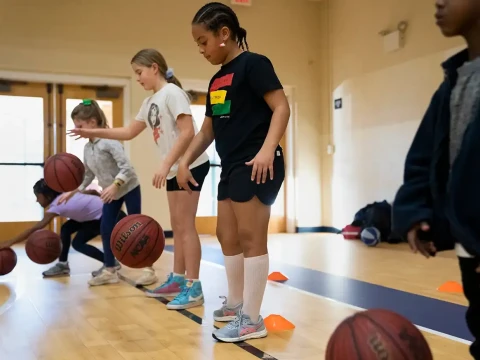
(434, 314)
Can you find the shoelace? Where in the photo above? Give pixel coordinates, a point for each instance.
(224, 301)
(169, 279)
(235, 324)
(184, 292)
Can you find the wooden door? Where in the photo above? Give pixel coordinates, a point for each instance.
(26, 127)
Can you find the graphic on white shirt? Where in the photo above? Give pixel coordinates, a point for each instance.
(154, 119)
(161, 111)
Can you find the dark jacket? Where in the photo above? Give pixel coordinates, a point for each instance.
(450, 204)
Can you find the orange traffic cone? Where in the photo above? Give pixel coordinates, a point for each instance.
(277, 323)
(277, 276)
(451, 287)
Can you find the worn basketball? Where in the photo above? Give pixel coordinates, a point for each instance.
(377, 334)
(63, 172)
(137, 241)
(43, 247)
(8, 261)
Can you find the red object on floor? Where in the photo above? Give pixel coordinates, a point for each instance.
(351, 232)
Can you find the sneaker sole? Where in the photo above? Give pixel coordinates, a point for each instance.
(56, 275)
(96, 273)
(146, 283)
(115, 281)
(255, 335)
(161, 295)
(185, 306)
(225, 318)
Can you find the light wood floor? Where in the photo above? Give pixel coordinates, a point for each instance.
(65, 319)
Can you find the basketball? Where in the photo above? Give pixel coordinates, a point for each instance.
(43, 247)
(137, 241)
(8, 261)
(377, 334)
(63, 172)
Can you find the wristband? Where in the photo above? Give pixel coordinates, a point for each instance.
(118, 182)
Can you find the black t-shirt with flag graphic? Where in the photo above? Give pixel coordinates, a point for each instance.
(241, 117)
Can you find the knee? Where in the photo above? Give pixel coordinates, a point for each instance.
(247, 238)
(183, 231)
(229, 241)
(182, 226)
(76, 244)
(106, 227)
(253, 242)
(222, 234)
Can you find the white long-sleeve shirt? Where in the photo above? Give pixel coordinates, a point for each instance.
(106, 160)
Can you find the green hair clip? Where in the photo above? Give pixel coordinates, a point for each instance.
(87, 102)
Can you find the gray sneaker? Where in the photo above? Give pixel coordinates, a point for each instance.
(241, 329)
(226, 313)
(57, 270)
(95, 273)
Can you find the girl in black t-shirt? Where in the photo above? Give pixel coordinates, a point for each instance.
(247, 113)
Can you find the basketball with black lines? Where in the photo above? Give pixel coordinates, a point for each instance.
(377, 334)
(137, 241)
(63, 172)
(43, 247)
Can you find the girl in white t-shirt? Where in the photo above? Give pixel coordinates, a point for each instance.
(168, 115)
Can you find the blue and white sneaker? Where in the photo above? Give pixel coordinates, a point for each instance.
(191, 296)
(241, 329)
(225, 313)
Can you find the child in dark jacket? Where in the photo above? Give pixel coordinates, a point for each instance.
(438, 206)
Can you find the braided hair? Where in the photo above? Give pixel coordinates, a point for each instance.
(215, 15)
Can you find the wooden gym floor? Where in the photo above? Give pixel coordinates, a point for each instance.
(329, 279)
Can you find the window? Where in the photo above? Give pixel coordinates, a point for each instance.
(21, 156)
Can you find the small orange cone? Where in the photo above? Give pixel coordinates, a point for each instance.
(451, 287)
(277, 323)
(277, 276)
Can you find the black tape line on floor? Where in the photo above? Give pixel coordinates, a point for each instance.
(260, 354)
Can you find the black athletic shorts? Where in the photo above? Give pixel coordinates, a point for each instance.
(199, 173)
(236, 184)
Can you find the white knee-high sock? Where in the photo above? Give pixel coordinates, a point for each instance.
(234, 269)
(256, 275)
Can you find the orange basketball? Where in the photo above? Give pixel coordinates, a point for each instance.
(137, 241)
(63, 172)
(43, 247)
(377, 334)
(8, 261)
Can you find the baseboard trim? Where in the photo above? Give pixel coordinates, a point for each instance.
(317, 229)
(301, 229)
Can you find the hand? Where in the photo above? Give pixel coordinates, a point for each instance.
(7, 244)
(91, 192)
(160, 177)
(108, 195)
(184, 176)
(262, 163)
(427, 249)
(65, 197)
(80, 133)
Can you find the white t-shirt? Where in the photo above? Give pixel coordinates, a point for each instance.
(161, 111)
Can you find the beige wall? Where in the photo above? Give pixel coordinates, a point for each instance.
(384, 95)
(325, 50)
(99, 37)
